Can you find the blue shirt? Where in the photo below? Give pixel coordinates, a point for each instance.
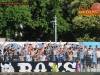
(81, 55)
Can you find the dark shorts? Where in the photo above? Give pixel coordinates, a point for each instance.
(82, 61)
(88, 62)
(98, 60)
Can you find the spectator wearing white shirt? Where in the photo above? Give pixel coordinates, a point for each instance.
(43, 57)
(28, 57)
(98, 56)
(75, 54)
(90, 52)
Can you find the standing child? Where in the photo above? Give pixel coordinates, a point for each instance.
(77, 69)
(54, 68)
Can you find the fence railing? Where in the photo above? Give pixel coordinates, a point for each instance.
(84, 66)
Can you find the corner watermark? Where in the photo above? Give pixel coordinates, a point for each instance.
(93, 10)
(14, 3)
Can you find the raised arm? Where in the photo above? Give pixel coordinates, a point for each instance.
(60, 43)
(3, 44)
(46, 43)
(5, 53)
(50, 41)
(42, 48)
(33, 45)
(27, 44)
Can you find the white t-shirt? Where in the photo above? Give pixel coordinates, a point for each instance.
(98, 54)
(29, 58)
(90, 53)
(43, 58)
(75, 53)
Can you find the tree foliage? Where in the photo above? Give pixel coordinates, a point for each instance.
(11, 16)
(37, 16)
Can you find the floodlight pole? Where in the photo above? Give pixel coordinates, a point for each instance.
(55, 26)
(55, 22)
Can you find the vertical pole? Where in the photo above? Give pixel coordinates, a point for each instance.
(55, 28)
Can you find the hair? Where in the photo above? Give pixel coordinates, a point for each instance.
(77, 61)
(42, 43)
(11, 45)
(64, 44)
(30, 44)
(90, 46)
(70, 52)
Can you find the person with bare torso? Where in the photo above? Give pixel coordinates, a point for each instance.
(70, 56)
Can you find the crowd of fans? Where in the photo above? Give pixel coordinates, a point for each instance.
(32, 52)
(51, 52)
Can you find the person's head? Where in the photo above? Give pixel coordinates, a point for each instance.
(54, 63)
(81, 49)
(71, 52)
(11, 45)
(42, 43)
(66, 43)
(24, 45)
(89, 49)
(78, 61)
(85, 46)
(30, 44)
(90, 46)
(96, 46)
(69, 48)
(23, 48)
(77, 46)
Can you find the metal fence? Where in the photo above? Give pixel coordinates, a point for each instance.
(84, 66)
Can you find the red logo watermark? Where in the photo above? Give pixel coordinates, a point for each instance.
(93, 10)
(14, 3)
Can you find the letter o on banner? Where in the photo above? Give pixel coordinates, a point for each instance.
(37, 68)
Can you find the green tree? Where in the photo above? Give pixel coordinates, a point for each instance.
(35, 17)
(43, 12)
(12, 16)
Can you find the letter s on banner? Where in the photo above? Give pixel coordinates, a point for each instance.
(68, 68)
(23, 67)
(37, 68)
